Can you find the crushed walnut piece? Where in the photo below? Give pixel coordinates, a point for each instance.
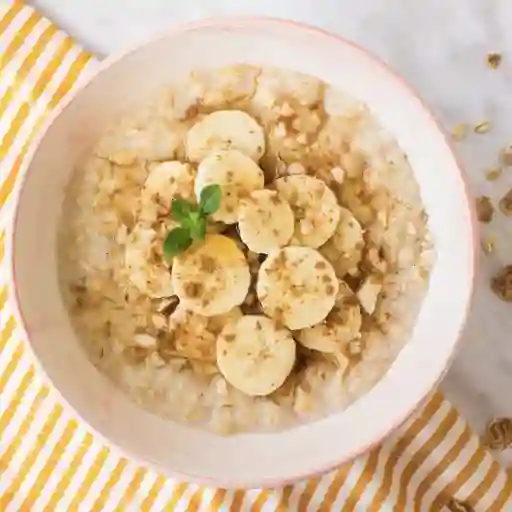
(484, 209)
(506, 204)
(501, 283)
(494, 60)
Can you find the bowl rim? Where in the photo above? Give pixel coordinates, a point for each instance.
(215, 23)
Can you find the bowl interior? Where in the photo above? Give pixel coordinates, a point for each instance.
(249, 459)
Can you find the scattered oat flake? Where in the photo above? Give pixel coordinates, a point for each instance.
(484, 209)
(493, 173)
(460, 131)
(494, 60)
(501, 283)
(506, 204)
(488, 245)
(482, 127)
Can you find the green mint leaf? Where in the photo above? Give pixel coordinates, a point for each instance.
(197, 228)
(210, 199)
(177, 241)
(182, 209)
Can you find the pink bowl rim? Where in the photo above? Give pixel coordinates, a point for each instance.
(229, 22)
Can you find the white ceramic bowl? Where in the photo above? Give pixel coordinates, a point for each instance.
(252, 459)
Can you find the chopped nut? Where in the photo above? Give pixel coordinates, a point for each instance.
(493, 173)
(302, 139)
(369, 293)
(484, 209)
(482, 127)
(501, 283)
(144, 340)
(355, 347)
(506, 156)
(287, 110)
(338, 174)
(296, 168)
(487, 245)
(306, 227)
(494, 60)
(460, 131)
(159, 321)
(506, 203)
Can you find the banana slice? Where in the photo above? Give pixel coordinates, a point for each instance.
(237, 176)
(254, 355)
(265, 221)
(212, 277)
(167, 180)
(344, 249)
(296, 286)
(315, 207)
(144, 267)
(340, 327)
(223, 130)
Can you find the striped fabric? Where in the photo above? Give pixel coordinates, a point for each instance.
(49, 462)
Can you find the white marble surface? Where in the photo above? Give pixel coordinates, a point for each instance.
(440, 46)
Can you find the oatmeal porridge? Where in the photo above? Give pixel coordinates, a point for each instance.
(245, 251)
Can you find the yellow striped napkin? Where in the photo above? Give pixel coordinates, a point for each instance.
(49, 462)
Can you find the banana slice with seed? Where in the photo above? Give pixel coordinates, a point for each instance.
(224, 130)
(297, 286)
(265, 221)
(212, 277)
(236, 174)
(254, 355)
(315, 207)
(167, 180)
(340, 327)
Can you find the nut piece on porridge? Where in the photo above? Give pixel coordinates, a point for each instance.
(236, 174)
(297, 287)
(211, 278)
(484, 209)
(223, 130)
(340, 327)
(168, 180)
(266, 221)
(501, 283)
(254, 355)
(315, 208)
(368, 293)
